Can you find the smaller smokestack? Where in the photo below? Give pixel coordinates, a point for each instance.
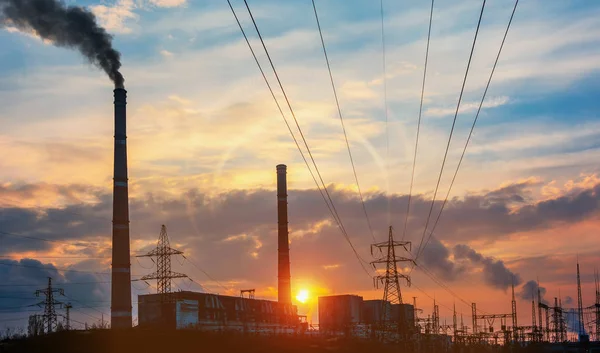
(121, 277)
(284, 290)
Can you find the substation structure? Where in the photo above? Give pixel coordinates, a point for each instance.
(554, 328)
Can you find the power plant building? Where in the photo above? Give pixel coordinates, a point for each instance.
(210, 312)
(338, 313)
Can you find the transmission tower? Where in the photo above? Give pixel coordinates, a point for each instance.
(163, 274)
(392, 294)
(580, 306)
(49, 317)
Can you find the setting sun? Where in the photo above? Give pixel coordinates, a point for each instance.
(302, 296)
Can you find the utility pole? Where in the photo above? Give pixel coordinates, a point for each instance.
(436, 318)
(163, 274)
(416, 313)
(474, 314)
(68, 307)
(454, 324)
(597, 305)
(392, 293)
(49, 316)
(541, 325)
(533, 321)
(561, 323)
(514, 313)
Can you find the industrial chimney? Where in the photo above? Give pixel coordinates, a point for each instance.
(120, 311)
(283, 286)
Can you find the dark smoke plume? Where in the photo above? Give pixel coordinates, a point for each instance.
(65, 26)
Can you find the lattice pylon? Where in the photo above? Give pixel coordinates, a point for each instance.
(50, 317)
(163, 274)
(392, 293)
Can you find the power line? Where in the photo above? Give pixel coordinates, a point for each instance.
(385, 107)
(15, 319)
(206, 274)
(451, 130)
(430, 297)
(4, 309)
(337, 102)
(18, 297)
(56, 257)
(281, 111)
(61, 284)
(85, 306)
(65, 210)
(331, 207)
(341, 224)
(51, 240)
(300, 129)
(88, 245)
(412, 177)
(58, 269)
(474, 123)
(53, 268)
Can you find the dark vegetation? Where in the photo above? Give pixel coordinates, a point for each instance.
(166, 341)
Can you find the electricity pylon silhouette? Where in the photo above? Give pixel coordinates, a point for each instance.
(392, 294)
(163, 274)
(50, 304)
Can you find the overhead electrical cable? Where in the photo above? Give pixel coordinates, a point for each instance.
(84, 305)
(331, 206)
(451, 130)
(412, 176)
(281, 112)
(206, 274)
(473, 125)
(60, 284)
(52, 240)
(385, 111)
(87, 245)
(55, 257)
(341, 224)
(339, 109)
(58, 269)
(298, 126)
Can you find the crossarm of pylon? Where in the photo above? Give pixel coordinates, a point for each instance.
(158, 252)
(493, 316)
(155, 275)
(383, 278)
(385, 244)
(384, 260)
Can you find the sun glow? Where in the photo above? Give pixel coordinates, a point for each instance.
(302, 296)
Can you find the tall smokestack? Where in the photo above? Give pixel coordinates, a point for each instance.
(283, 254)
(120, 311)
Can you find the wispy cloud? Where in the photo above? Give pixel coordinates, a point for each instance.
(168, 3)
(467, 107)
(115, 17)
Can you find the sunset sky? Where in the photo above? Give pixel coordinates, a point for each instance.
(204, 137)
